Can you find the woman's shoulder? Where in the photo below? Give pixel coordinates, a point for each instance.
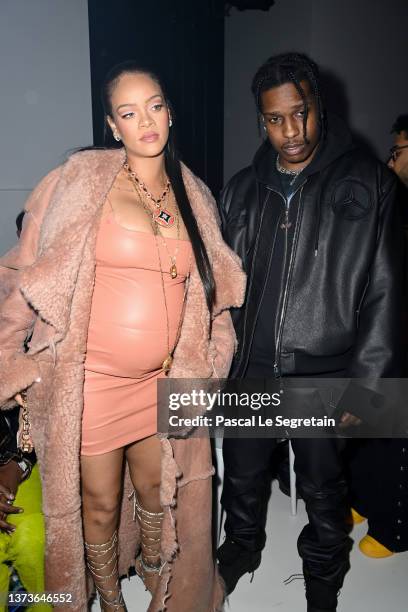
(95, 158)
(80, 167)
(74, 161)
(45, 185)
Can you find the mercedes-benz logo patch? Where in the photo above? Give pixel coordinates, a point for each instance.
(351, 199)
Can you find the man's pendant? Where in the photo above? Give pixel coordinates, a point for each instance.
(285, 225)
(163, 217)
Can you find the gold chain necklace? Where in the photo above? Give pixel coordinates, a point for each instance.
(143, 187)
(161, 215)
(166, 365)
(173, 258)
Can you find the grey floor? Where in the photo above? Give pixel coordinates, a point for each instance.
(371, 585)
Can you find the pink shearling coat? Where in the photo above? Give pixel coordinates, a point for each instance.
(46, 284)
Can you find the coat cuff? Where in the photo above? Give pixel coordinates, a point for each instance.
(18, 372)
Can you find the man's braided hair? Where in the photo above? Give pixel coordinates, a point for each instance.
(290, 68)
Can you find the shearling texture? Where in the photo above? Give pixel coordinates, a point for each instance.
(47, 283)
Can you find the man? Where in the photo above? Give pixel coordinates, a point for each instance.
(398, 161)
(379, 468)
(313, 219)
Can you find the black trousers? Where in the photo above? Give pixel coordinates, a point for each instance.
(324, 543)
(378, 481)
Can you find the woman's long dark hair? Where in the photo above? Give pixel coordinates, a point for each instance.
(173, 169)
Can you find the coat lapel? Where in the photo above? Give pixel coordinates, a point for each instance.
(71, 219)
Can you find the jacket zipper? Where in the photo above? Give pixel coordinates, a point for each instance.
(285, 254)
(264, 287)
(276, 365)
(270, 189)
(251, 277)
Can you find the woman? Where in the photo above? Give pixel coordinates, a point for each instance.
(121, 277)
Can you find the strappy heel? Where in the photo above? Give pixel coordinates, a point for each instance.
(102, 563)
(148, 564)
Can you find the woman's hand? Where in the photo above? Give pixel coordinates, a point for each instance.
(10, 477)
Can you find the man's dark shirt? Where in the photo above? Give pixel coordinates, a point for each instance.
(262, 357)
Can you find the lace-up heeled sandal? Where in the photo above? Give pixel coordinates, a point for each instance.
(102, 563)
(148, 564)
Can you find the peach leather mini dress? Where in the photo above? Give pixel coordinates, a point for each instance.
(127, 337)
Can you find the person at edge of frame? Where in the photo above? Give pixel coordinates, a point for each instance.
(379, 468)
(398, 163)
(22, 541)
(314, 221)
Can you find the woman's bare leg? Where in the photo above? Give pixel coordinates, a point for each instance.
(101, 477)
(144, 460)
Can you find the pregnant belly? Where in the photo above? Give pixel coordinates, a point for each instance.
(127, 333)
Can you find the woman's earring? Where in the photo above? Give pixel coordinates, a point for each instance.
(170, 122)
(116, 136)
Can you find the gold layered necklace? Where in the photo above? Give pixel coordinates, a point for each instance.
(160, 217)
(168, 361)
(173, 258)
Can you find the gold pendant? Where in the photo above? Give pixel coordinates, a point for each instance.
(173, 271)
(163, 217)
(167, 363)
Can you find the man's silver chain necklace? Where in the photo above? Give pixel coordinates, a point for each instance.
(293, 173)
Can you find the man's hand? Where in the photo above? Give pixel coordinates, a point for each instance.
(10, 477)
(348, 419)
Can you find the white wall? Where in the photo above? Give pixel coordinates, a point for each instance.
(45, 101)
(364, 43)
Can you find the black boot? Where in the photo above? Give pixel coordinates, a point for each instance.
(234, 561)
(321, 596)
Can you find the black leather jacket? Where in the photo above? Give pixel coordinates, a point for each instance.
(339, 304)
